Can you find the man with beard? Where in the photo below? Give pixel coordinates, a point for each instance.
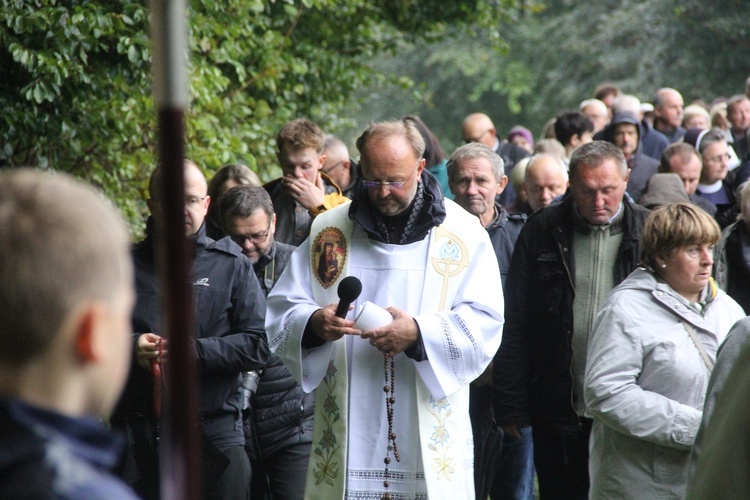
(392, 401)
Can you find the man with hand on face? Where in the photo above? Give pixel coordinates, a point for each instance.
(567, 259)
(303, 191)
(229, 339)
(476, 178)
(64, 325)
(391, 409)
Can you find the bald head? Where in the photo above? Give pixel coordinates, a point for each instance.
(628, 103)
(545, 178)
(668, 104)
(196, 196)
(597, 112)
(337, 164)
(478, 127)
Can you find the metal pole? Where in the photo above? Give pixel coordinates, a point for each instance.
(180, 440)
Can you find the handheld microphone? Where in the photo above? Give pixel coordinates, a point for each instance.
(349, 289)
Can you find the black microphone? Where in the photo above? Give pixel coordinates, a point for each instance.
(349, 289)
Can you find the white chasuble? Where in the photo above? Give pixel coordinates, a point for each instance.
(450, 283)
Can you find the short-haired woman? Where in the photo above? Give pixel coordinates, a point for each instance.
(650, 355)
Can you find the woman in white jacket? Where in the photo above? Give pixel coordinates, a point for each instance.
(650, 354)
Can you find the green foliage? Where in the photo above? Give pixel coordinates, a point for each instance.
(76, 86)
(76, 90)
(73, 92)
(557, 52)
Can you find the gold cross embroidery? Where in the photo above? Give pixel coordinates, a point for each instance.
(452, 258)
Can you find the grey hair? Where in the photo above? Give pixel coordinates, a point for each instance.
(557, 160)
(398, 128)
(594, 154)
(475, 150)
(243, 201)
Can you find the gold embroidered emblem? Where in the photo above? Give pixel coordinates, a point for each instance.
(452, 258)
(328, 255)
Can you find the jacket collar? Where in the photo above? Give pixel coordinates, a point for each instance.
(501, 217)
(200, 239)
(85, 436)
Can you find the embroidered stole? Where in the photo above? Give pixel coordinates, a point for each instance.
(442, 455)
(326, 475)
(330, 247)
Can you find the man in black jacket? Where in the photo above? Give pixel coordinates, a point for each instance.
(567, 258)
(477, 178)
(279, 424)
(230, 339)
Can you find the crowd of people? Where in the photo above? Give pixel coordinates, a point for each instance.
(563, 311)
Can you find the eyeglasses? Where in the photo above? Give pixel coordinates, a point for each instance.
(388, 184)
(468, 140)
(193, 201)
(718, 158)
(337, 165)
(254, 238)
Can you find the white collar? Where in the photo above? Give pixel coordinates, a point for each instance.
(710, 188)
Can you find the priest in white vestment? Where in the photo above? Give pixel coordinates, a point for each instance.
(391, 415)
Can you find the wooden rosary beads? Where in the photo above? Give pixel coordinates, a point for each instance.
(390, 400)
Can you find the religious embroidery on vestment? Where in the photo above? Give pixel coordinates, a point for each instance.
(453, 257)
(326, 468)
(371, 495)
(329, 256)
(451, 348)
(441, 440)
(396, 476)
(477, 349)
(279, 342)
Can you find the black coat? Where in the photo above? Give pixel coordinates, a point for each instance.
(532, 371)
(504, 232)
(280, 409)
(229, 328)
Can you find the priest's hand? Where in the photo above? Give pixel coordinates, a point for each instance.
(326, 325)
(396, 336)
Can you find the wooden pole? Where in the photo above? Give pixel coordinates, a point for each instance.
(180, 439)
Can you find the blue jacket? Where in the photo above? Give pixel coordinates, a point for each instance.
(48, 455)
